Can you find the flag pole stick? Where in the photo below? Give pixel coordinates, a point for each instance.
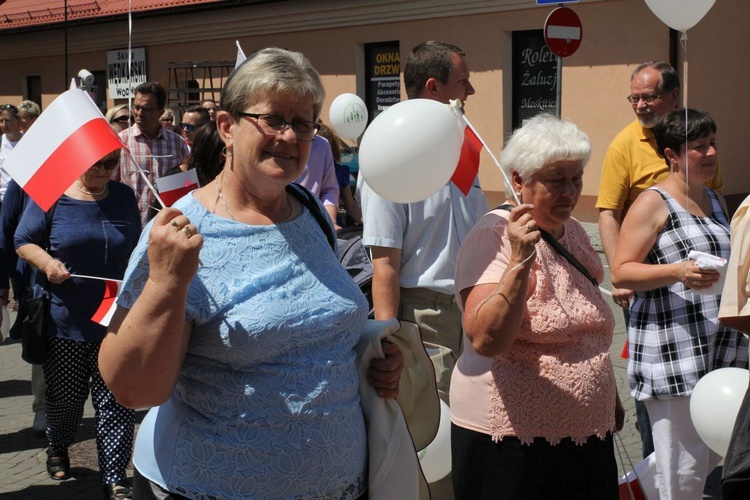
(94, 278)
(508, 185)
(145, 178)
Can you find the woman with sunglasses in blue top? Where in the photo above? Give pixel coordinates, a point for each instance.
(92, 231)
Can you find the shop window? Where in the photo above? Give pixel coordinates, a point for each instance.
(382, 77)
(535, 82)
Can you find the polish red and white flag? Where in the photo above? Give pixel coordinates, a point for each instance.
(107, 308)
(468, 163)
(173, 187)
(67, 138)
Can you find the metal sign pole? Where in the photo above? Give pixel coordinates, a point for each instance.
(558, 104)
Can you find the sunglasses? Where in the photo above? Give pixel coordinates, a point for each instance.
(188, 126)
(108, 164)
(123, 119)
(11, 108)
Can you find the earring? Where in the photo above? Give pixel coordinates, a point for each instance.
(225, 152)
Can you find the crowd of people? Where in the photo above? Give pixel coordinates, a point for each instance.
(238, 327)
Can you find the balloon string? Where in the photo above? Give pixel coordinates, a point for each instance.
(683, 42)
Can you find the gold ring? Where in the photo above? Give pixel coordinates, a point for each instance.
(188, 231)
(174, 224)
(528, 228)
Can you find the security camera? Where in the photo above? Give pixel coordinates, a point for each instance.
(86, 78)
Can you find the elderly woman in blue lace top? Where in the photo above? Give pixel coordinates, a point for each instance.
(237, 319)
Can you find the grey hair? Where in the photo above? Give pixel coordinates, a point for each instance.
(272, 71)
(29, 108)
(542, 140)
(668, 77)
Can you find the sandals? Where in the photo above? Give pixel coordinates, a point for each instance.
(117, 491)
(58, 464)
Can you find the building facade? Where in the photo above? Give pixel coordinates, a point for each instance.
(357, 46)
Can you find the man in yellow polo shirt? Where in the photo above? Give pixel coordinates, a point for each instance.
(632, 165)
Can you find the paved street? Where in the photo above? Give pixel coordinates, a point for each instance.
(22, 455)
(23, 473)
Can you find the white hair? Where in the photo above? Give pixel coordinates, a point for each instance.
(542, 140)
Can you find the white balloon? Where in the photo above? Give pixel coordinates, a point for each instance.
(410, 151)
(714, 405)
(435, 459)
(348, 116)
(680, 14)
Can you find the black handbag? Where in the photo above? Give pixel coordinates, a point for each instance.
(34, 335)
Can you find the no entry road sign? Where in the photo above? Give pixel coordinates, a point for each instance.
(563, 32)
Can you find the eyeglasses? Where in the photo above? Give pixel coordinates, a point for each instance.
(108, 164)
(168, 120)
(123, 119)
(189, 127)
(647, 98)
(274, 125)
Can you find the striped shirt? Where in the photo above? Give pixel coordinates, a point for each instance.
(156, 157)
(675, 337)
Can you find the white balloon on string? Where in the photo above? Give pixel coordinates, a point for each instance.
(680, 15)
(409, 151)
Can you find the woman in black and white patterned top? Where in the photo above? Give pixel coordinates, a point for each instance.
(674, 334)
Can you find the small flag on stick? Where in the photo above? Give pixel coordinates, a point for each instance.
(66, 139)
(103, 315)
(240, 55)
(468, 162)
(173, 187)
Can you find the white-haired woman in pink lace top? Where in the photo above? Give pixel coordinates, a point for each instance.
(533, 396)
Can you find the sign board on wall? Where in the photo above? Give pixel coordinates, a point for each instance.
(534, 76)
(382, 73)
(119, 85)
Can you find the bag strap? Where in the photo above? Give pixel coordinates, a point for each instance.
(48, 226)
(47, 230)
(559, 248)
(304, 196)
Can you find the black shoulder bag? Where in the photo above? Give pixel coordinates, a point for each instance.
(34, 335)
(304, 196)
(559, 248)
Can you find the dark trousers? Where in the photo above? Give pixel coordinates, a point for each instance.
(69, 367)
(143, 489)
(508, 470)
